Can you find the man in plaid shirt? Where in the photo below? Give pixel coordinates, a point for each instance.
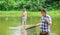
(45, 24)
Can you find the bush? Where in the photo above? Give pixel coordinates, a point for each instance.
(33, 5)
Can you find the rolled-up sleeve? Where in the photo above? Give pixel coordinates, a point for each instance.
(50, 19)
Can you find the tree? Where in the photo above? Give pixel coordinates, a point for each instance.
(33, 5)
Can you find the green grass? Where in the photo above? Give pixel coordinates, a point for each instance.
(14, 18)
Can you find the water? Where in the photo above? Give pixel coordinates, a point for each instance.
(17, 30)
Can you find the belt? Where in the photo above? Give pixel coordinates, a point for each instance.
(44, 33)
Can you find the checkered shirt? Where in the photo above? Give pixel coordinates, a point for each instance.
(44, 27)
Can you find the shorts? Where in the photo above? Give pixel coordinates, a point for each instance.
(47, 33)
(23, 19)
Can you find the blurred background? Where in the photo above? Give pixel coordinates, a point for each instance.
(32, 5)
(12, 10)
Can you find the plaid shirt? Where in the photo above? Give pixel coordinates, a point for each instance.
(44, 27)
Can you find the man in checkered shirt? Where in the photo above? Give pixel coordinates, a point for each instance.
(45, 24)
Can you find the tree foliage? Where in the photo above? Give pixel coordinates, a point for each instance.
(33, 5)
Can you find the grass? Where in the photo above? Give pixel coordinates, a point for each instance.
(14, 18)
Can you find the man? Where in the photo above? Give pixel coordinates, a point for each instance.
(45, 24)
(24, 17)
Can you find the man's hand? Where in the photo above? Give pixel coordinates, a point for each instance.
(46, 19)
(38, 24)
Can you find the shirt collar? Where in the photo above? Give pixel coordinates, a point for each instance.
(45, 15)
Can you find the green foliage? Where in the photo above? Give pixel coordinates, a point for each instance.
(33, 5)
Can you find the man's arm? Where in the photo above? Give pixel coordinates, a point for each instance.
(49, 22)
(38, 24)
